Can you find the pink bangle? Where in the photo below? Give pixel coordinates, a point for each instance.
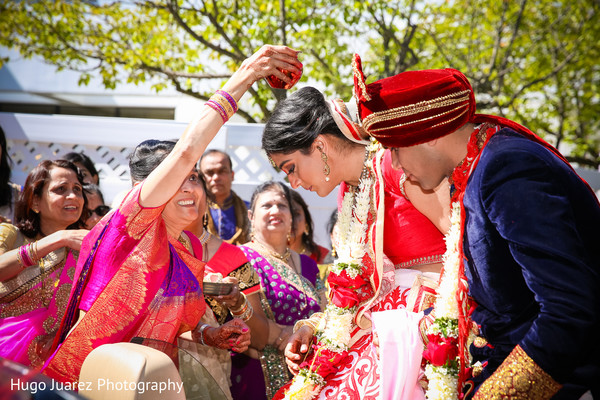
(218, 108)
(25, 256)
(229, 98)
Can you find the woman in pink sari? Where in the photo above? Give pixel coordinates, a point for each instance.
(37, 260)
(142, 271)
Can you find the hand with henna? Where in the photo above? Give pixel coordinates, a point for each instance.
(232, 335)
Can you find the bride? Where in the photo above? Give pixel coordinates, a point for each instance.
(317, 145)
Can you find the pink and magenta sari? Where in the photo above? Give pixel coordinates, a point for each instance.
(133, 281)
(32, 304)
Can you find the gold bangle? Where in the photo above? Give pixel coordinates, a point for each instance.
(246, 315)
(313, 322)
(35, 251)
(241, 309)
(224, 103)
(302, 322)
(31, 253)
(229, 98)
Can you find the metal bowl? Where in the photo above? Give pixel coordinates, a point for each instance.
(217, 288)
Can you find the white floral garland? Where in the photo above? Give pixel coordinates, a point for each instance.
(336, 325)
(351, 249)
(443, 381)
(334, 330)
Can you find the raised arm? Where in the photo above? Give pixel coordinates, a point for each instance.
(164, 181)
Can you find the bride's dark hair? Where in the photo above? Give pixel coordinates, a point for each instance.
(297, 121)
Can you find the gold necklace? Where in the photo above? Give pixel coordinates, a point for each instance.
(185, 242)
(285, 257)
(370, 150)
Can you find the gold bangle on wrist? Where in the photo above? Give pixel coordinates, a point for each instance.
(242, 307)
(225, 102)
(313, 322)
(34, 250)
(20, 260)
(246, 314)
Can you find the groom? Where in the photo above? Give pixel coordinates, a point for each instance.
(531, 241)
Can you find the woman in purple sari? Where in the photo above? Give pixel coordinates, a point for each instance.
(290, 290)
(37, 260)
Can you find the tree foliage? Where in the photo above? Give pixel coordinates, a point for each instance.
(533, 61)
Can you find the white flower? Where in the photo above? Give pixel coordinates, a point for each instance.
(446, 304)
(442, 384)
(302, 388)
(334, 330)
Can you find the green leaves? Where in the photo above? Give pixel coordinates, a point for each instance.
(532, 61)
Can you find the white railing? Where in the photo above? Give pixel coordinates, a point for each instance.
(109, 141)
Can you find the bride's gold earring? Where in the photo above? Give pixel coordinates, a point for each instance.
(326, 169)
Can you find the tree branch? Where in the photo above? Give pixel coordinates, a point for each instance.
(193, 34)
(515, 30)
(549, 75)
(497, 44)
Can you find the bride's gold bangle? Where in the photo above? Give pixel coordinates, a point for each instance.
(313, 322)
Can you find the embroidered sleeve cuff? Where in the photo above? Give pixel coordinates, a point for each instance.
(249, 281)
(518, 377)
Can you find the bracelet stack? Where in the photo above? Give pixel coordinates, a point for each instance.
(245, 311)
(201, 333)
(223, 103)
(313, 322)
(27, 255)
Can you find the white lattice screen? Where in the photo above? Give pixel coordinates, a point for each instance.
(110, 160)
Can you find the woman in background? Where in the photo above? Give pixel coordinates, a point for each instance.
(37, 260)
(290, 290)
(9, 192)
(227, 263)
(96, 206)
(86, 165)
(302, 234)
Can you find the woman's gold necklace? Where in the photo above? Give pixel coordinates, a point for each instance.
(285, 257)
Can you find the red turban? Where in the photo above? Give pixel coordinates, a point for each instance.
(413, 107)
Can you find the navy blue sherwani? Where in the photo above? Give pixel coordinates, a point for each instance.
(532, 245)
